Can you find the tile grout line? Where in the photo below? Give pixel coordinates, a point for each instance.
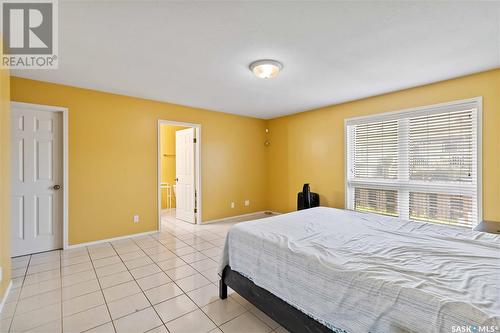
(190, 238)
(17, 300)
(161, 270)
(25, 276)
(84, 294)
(61, 289)
(102, 292)
(155, 263)
(244, 312)
(142, 291)
(185, 293)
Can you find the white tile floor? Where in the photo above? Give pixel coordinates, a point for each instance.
(164, 282)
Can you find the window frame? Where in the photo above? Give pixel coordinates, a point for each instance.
(476, 102)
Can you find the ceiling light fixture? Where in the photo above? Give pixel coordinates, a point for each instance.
(266, 69)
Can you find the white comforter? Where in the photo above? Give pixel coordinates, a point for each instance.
(358, 272)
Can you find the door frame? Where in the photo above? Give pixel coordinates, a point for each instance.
(197, 166)
(65, 186)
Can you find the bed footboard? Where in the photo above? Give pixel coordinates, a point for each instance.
(283, 313)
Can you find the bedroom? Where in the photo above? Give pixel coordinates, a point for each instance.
(389, 110)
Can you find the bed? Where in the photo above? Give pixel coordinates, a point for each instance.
(325, 269)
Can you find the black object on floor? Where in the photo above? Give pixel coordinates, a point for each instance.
(307, 199)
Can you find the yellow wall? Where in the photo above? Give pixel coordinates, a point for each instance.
(167, 139)
(113, 158)
(4, 178)
(113, 166)
(309, 147)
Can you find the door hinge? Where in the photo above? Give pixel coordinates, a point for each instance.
(196, 210)
(194, 140)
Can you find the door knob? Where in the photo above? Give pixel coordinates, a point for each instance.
(56, 187)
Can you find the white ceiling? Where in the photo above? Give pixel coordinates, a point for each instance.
(197, 53)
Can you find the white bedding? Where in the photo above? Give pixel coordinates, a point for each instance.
(358, 272)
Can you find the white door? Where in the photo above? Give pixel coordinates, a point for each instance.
(185, 175)
(36, 185)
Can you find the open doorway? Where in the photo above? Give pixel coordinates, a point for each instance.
(179, 177)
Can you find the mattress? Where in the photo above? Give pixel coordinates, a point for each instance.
(361, 272)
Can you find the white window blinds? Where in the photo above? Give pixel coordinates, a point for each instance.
(419, 164)
(376, 150)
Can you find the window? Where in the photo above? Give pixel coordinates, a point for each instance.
(420, 164)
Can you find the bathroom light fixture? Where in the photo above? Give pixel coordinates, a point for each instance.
(266, 69)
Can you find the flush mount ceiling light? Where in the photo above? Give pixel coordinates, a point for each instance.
(266, 69)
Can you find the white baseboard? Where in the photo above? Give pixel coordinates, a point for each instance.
(239, 216)
(107, 240)
(4, 298)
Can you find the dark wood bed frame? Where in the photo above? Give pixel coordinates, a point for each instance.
(280, 311)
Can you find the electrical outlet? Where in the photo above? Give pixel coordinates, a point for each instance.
(232, 204)
(247, 203)
(136, 218)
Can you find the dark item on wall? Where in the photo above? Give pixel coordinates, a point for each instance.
(307, 199)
